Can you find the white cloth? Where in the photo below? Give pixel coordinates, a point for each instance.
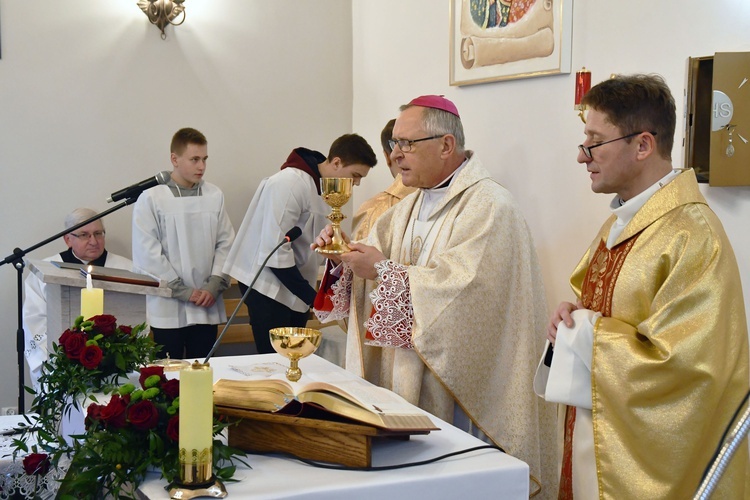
(287, 199)
(38, 342)
(186, 238)
(568, 380)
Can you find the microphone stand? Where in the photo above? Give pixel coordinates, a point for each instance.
(242, 300)
(16, 258)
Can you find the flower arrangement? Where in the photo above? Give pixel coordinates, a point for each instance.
(134, 432)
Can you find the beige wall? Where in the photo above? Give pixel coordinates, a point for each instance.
(525, 131)
(90, 96)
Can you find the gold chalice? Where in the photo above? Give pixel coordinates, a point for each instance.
(335, 191)
(295, 343)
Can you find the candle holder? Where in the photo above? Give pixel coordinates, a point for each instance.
(196, 436)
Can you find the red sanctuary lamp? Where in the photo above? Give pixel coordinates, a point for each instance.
(583, 85)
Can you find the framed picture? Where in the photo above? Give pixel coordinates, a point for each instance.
(493, 40)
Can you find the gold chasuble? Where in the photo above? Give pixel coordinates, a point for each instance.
(670, 354)
(479, 313)
(369, 211)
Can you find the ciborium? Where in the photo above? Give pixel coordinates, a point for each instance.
(335, 191)
(295, 343)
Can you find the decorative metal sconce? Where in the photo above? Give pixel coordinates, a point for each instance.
(583, 85)
(163, 12)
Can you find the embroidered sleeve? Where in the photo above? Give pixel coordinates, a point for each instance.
(392, 320)
(337, 298)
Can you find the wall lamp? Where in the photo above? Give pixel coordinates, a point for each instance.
(163, 12)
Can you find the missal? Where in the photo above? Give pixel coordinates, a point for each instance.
(348, 397)
(111, 274)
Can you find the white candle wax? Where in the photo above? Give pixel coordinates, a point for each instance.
(196, 412)
(92, 299)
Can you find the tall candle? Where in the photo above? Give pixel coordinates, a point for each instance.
(92, 299)
(196, 423)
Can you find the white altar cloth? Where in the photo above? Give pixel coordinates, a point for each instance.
(479, 474)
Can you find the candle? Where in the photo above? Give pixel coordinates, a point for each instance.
(92, 299)
(583, 85)
(196, 423)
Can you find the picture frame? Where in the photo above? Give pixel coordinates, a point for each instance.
(494, 41)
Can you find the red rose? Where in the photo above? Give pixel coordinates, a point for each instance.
(173, 428)
(127, 330)
(143, 415)
(105, 324)
(93, 414)
(36, 463)
(74, 345)
(171, 388)
(147, 371)
(114, 414)
(91, 356)
(66, 334)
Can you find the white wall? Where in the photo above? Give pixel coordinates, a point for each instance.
(525, 131)
(90, 96)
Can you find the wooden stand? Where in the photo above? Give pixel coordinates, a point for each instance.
(347, 444)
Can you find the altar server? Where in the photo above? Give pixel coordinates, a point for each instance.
(285, 290)
(182, 234)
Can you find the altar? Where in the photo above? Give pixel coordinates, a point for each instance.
(480, 474)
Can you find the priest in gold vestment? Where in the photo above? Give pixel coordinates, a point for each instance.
(652, 360)
(459, 299)
(369, 211)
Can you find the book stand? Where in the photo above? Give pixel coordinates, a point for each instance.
(319, 439)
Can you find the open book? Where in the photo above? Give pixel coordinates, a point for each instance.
(348, 397)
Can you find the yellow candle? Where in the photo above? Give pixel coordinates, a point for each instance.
(196, 423)
(92, 299)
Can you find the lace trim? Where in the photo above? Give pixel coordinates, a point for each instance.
(340, 295)
(392, 320)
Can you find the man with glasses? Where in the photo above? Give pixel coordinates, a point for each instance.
(85, 246)
(651, 358)
(460, 301)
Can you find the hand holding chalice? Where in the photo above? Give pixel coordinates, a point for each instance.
(335, 191)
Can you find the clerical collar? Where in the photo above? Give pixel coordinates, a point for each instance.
(626, 210)
(71, 258)
(432, 196)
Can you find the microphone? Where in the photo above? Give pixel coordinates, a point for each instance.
(289, 237)
(136, 189)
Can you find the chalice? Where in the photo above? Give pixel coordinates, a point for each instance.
(335, 191)
(295, 343)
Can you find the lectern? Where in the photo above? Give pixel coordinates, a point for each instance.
(125, 301)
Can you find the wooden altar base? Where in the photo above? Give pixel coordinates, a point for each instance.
(348, 444)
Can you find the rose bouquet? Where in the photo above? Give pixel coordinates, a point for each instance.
(134, 432)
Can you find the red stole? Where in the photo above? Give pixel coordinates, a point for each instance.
(596, 294)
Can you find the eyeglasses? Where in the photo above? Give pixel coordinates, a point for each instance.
(99, 235)
(586, 150)
(406, 144)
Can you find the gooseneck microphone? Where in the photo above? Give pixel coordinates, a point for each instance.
(136, 189)
(289, 237)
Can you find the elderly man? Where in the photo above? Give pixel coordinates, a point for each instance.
(85, 246)
(651, 357)
(460, 298)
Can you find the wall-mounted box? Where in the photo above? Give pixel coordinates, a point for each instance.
(717, 118)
